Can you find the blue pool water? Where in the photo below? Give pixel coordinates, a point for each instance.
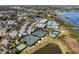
(71, 17)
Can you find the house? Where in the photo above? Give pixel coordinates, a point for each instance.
(31, 28)
(37, 17)
(13, 34)
(43, 20)
(10, 22)
(5, 43)
(3, 31)
(23, 29)
(40, 25)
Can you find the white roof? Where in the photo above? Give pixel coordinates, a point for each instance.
(13, 34)
(43, 20)
(40, 25)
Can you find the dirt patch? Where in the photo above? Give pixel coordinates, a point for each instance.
(72, 44)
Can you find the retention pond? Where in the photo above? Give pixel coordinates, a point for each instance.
(49, 49)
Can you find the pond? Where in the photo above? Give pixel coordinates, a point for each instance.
(49, 49)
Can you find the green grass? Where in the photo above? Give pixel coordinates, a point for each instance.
(74, 34)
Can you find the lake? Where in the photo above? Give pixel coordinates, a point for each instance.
(70, 17)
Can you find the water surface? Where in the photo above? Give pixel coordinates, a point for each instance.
(49, 49)
(70, 17)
